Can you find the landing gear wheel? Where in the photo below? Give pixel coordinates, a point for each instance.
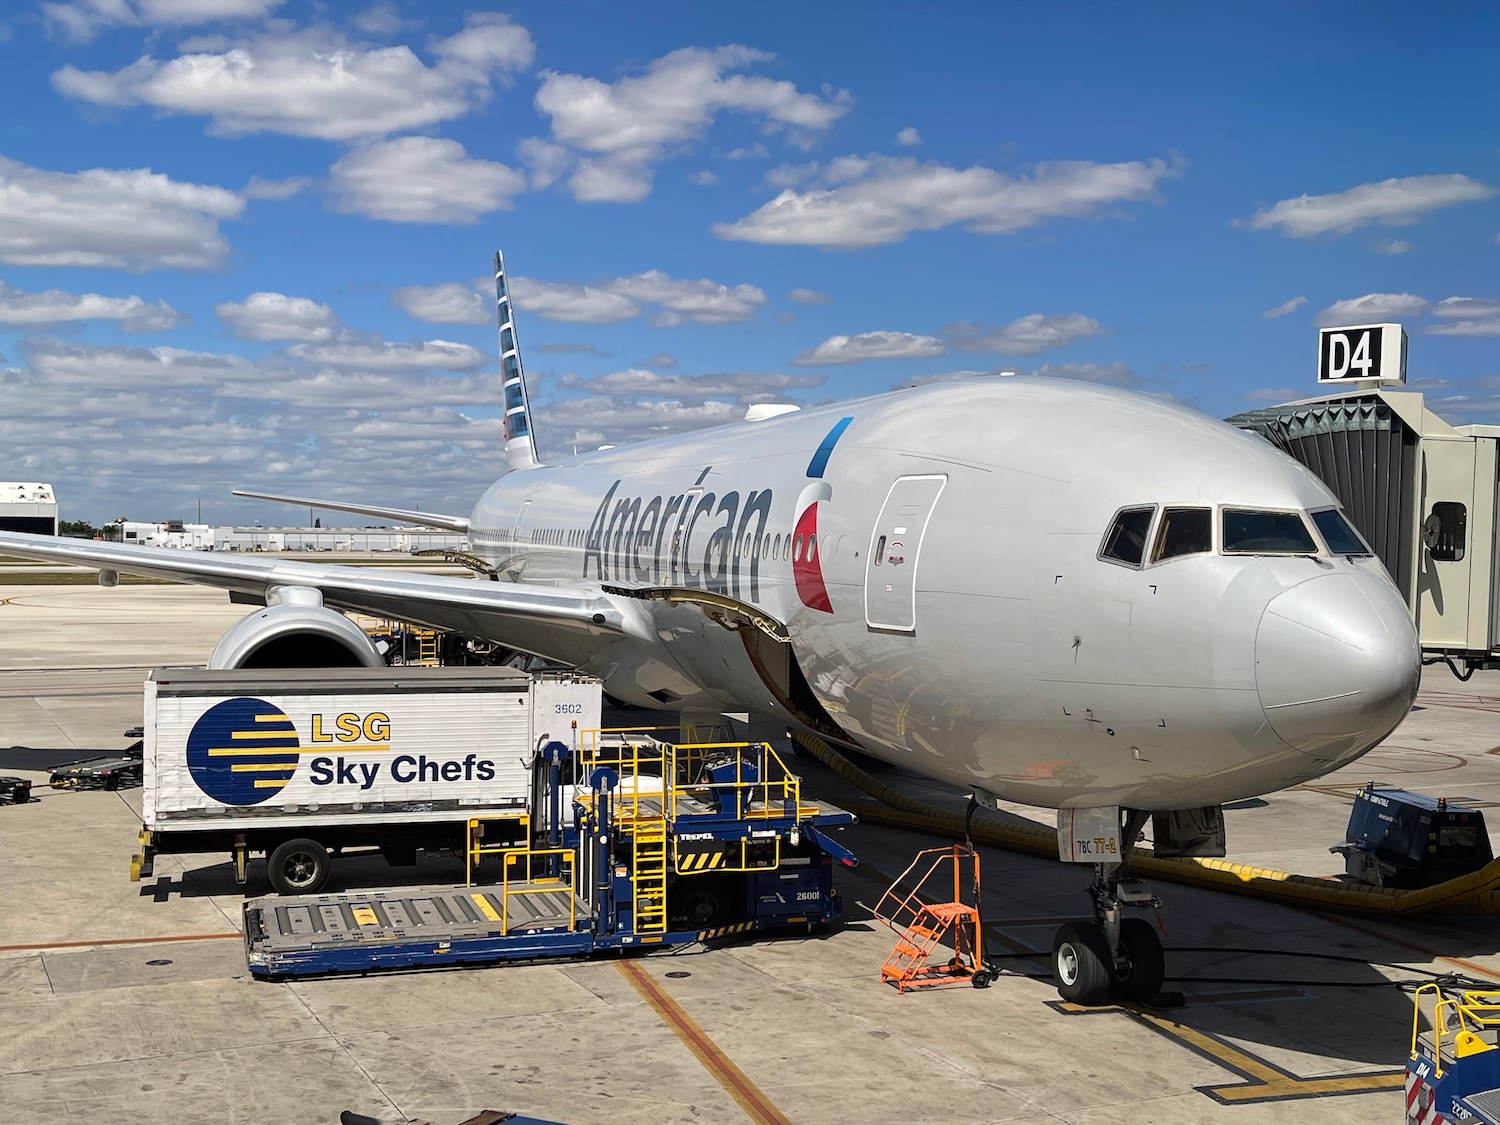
(1081, 963)
(298, 867)
(1148, 964)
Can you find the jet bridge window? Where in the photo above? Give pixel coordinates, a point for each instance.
(1248, 532)
(1126, 539)
(1341, 538)
(1444, 531)
(1184, 531)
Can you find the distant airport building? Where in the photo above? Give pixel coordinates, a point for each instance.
(358, 540)
(28, 507)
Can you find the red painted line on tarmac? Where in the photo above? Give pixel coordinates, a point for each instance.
(756, 1105)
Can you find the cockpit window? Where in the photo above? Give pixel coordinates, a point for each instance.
(1126, 540)
(1249, 532)
(1341, 538)
(1184, 531)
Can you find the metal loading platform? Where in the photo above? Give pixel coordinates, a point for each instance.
(632, 842)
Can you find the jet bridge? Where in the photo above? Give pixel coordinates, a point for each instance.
(1423, 494)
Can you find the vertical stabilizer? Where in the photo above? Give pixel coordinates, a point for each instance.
(520, 448)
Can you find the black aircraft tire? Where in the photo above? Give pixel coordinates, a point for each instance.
(298, 867)
(1081, 963)
(1148, 964)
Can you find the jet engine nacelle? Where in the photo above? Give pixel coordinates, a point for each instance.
(295, 630)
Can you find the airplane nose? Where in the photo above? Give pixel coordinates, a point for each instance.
(1336, 664)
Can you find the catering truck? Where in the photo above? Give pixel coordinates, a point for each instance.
(301, 765)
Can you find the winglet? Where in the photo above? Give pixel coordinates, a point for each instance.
(520, 447)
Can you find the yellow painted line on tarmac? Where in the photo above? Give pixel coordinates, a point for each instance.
(750, 1097)
(1265, 1081)
(236, 935)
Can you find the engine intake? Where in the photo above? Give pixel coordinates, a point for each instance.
(297, 631)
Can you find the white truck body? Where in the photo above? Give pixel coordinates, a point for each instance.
(281, 748)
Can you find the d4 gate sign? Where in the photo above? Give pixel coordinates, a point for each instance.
(1362, 352)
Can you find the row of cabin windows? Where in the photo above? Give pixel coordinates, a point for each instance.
(747, 546)
(1243, 531)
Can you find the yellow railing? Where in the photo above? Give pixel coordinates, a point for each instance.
(1471, 1011)
(528, 860)
(475, 850)
(775, 793)
(641, 752)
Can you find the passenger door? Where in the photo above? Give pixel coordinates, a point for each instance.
(895, 544)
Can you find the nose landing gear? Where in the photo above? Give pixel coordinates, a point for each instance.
(1090, 960)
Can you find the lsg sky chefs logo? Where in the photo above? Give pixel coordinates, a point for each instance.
(244, 751)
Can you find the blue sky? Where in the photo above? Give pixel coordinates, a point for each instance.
(252, 251)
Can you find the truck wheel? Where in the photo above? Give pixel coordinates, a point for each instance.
(298, 867)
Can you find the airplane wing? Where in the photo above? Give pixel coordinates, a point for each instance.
(550, 621)
(405, 515)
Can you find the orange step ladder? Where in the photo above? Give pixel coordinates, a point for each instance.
(922, 925)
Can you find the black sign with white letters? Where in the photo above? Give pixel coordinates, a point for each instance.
(1368, 351)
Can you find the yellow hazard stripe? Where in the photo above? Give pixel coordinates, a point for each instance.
(364, 916)
(262, 767)
(485, 908)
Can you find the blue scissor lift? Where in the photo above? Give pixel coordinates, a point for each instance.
(632, 842)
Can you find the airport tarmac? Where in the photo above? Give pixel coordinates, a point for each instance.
(131, 1002)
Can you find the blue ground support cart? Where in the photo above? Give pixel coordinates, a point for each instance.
(632, 843)
(1453, 1074)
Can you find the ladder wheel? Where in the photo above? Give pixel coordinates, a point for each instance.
(1081, 963)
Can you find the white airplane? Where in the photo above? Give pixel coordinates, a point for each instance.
(1040, 590)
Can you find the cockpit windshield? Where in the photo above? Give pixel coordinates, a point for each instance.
(1184, 531)
(1341, 538)
(1251, 532)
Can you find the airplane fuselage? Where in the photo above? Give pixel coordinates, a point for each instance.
(929, 570)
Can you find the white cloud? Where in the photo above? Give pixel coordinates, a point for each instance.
(635, 382)
(1372, 308)
(660, 359)
(880, 199)
(756, 151)
(145, 432)
(1272, 394)
(790, 175)
(1025, 336)
(809, 297)
(316, 83)
(259, 188)
(1466, 316)
(131, 219)
(619, 131)
(382, 19)
(421, 180)
(1285, 307)
(24, 310)
(703, 178)
(80, 20)
(1466, 307)
(870, 345)
(275, 316)
(386, 356)
(909, 136)
(1110, 374)
(1392, 202)
(450, 303)
(545, 160)
(1392, 246)
(624, 298)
